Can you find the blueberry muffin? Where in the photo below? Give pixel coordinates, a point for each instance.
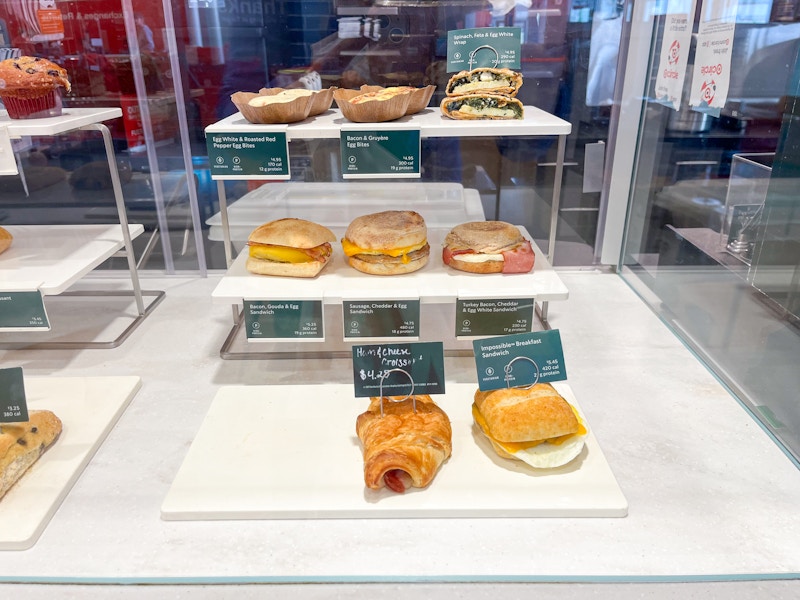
(29, 87)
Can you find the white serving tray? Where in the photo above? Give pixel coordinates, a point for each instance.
(290, 451)
(71, 118)
(430, 121)
(88, 407)
(336, 204)
(434, 283)
(53, 257)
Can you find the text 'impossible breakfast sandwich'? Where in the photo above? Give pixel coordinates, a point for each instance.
(487, 247)
(535, 425)
(391, 242)
(289, 248)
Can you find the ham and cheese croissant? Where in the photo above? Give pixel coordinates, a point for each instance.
(403, 448)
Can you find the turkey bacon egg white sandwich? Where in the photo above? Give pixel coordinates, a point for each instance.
(535, 425)
(289, 248)
(391, 242)
(487, 247)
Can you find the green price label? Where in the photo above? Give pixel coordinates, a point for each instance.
(399, 365)
(469, 49)
(480, 317)
(517, 360)
(370, 154)
(23, 310)
(263, 155)
(13, 406)
(381, 318)
(283, 319)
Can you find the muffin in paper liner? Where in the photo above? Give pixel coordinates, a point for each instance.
(374, 107)
(296, 109)
(37, 107)
(321, 100)
(29, 87)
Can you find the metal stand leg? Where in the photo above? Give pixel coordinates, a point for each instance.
(123, 215)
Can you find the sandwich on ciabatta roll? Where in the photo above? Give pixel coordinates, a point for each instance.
(289, 248)
(535, 425)
(487, 247)
(391, 242)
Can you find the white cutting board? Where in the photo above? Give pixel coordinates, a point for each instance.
(290, 451)
(88, 407)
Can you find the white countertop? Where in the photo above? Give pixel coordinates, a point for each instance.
(710, 495)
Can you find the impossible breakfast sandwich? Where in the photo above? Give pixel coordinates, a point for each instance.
(535, 425)
(485, 79)
(289, 248)
(391, 242)
(487, 247)
(482, 106)
(405, 444)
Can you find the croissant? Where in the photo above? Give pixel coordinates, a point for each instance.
(403, 448)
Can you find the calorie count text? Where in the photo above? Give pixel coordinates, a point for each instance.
(12, 411)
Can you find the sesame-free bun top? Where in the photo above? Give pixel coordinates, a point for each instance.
(295, 233)
(526, 415)
(488, 237)
(387, 230)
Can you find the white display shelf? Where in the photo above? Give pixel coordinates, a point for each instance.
(70, 119)
(434, 283)
(430, 121)
(280, 476)
(51, 258)
(88, 407)
(336, 204)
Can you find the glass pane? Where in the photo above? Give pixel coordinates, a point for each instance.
(712, 234)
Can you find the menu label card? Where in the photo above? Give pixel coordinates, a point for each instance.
(381, 318)
(13, 406)
(22, 311)
(262, 155)
(503, 316)
(469, 49)
(399, 364)
(519, 360)
(283, 319)
(370, 154)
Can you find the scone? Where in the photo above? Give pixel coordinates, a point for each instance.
(21, 445)
(29, 87)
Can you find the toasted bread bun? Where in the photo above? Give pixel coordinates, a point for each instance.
(289, 248)
(488, 237)
(391, 242)
(5, 239)
(526, 415)
(387, 230)
(295, 233)
(479, 247)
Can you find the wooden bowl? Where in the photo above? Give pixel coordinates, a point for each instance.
(296, 109)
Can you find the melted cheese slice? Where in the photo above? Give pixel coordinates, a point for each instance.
(350, 249)
(283, 254)
(542, 454)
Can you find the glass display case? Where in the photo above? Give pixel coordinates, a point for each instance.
(666, 247)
